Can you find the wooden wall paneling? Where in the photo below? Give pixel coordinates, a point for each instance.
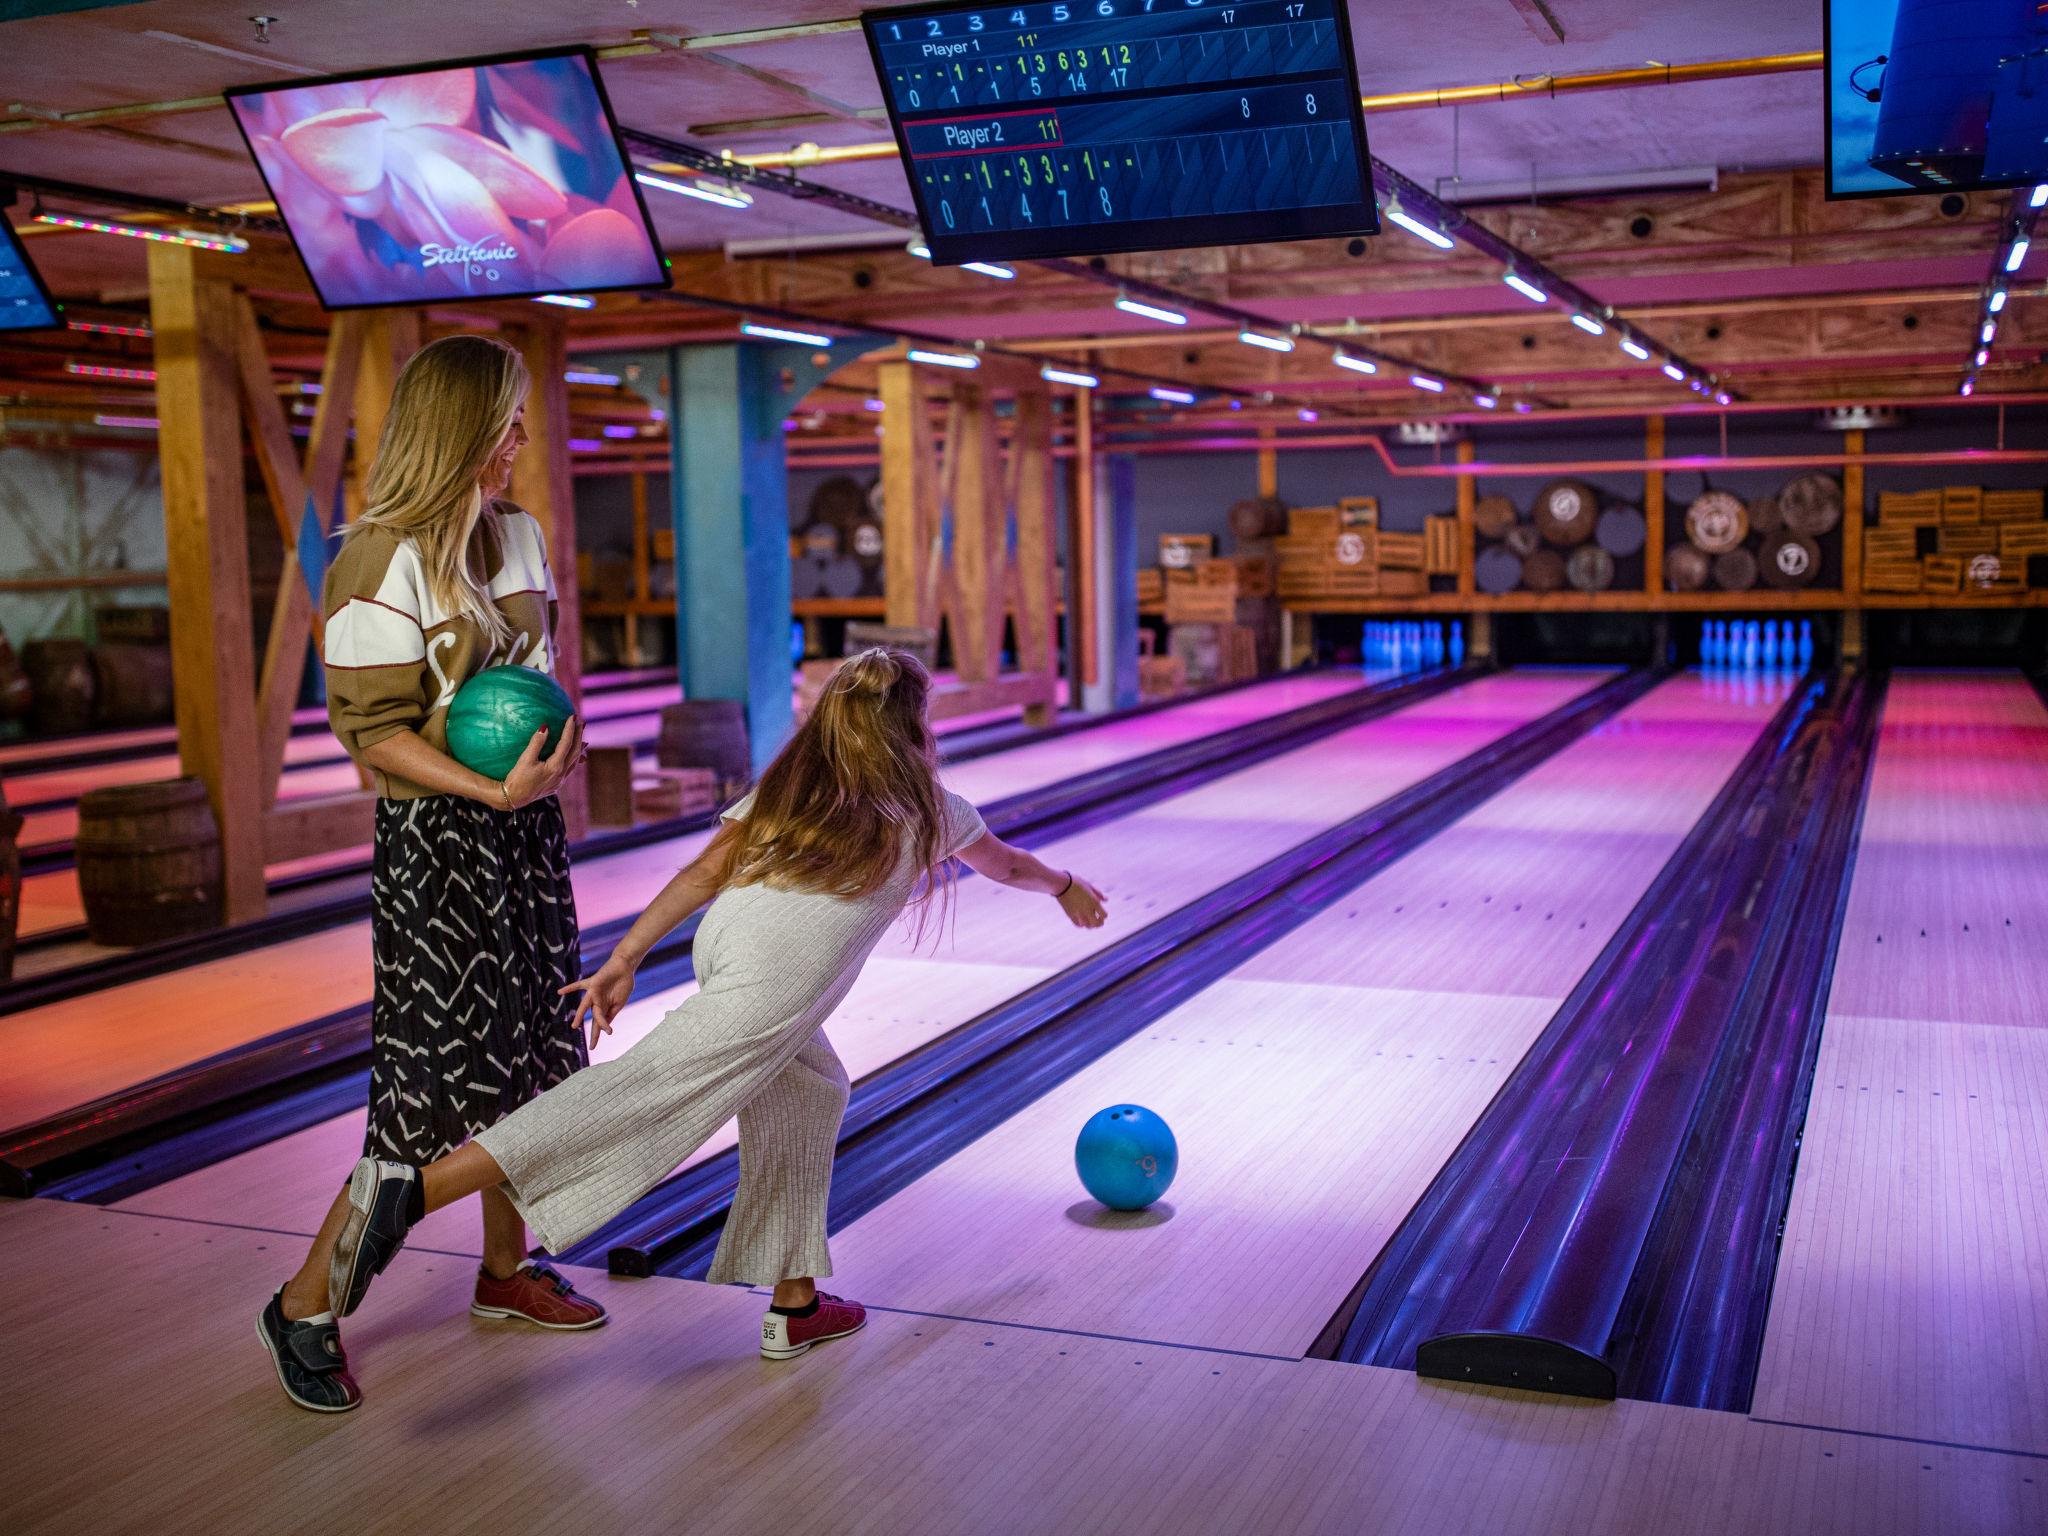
(1653, 506)
(205, 526)
(1082, 617)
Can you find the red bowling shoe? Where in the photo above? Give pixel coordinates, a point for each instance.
(536, 1294)
(784, 1337)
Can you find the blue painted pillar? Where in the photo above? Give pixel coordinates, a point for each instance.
(1120, 556)
(729, 495)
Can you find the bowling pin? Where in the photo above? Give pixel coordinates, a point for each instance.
(1805, 643)
(1457, 642)
(1771, 643)
(1751, 643)
(1710, 643)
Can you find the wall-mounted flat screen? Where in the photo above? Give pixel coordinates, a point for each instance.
(494, 178)
(1935, 95)
(1114, 125)
(25, 303)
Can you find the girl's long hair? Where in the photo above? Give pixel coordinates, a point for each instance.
(451, 408)
(854, 792)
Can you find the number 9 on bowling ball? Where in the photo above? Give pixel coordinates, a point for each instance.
(1126, 1156)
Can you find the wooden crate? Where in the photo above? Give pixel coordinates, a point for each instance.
(1989, 575)
(1358, 512)
(1151, 584)
(662, 793)
(1183, 551)
(1941, 573)
(663, 544)
(1245, 575)
(1314, 523)
(1197, 604)
(1440, 546)
(608, 785)
(2014, 506)
(1883, 545)
(1161, 677)
(1962, 505)
(1892, 575)
(1968, 541)
(1912, 509)
(1399, 583)
(1400, 551)
(2016, 541)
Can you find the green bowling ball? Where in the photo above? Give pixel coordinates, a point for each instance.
(494, 715)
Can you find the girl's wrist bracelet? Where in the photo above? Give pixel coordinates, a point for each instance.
(505, 792)
(1065, 888)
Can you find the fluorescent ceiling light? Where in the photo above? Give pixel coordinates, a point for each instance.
(620, 429)
(146, 423)
(1054, 375)
(942, 359)
(1270, 343)
(100, 328)
(726, 196)
(989, 269)
(1969, 387)
(2040, 197)
(1997, 301)
(920, 250)
(232, 244)
(102, 371)
(1983, 356)
(1356, 364)
(584, 445)
(1522, 189)
(1675, 373)
(872, 404)
(1724, 398)
(779, 333)
(1588, 324)
(1417, 228)
(1486, 402)
(1635, 349)
(1307, 415)
(1171, 396)
(566, 300)
(1523, 406)
(1150, 311)
(2017, 254)
(1423, 381)
(1525, 288)
(589, 376)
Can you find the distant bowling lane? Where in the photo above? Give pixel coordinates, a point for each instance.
(1316, 1091)
(1911, 1297)
(999, 941)
(76, 1051)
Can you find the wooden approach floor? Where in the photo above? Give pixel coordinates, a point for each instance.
(73, 1052)
(999, 942)
(1912, 1290)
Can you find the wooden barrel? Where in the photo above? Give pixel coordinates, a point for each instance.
(707, 733)
(1789, 560)
(838, 500)
(866, 547)
(15, 692)
(148, 861)
(1590, 568)
(1258, 517)
(1685, 568)
(1765, 514)
(1524, 540)
(61, 684)
(822, 541)
(1544, 571)
(134, 683)
(1566, 511)
(1735, 570)
(807, 576)
(840, 578)
(1812, 503)
(10, 885)
(1716, 522)
(1497, 569)
(1493, 516)
(921, 643)
(1622, 531)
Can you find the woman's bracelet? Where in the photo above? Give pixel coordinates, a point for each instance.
(505, 789)
(1065, 888)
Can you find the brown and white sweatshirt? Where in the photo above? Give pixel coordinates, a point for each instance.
(394, 657)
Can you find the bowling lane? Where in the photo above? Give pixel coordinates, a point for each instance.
(998, 941)
(1911, 1297)
(75, 1051)
(1316, 1091)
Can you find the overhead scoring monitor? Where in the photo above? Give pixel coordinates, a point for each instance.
(25, 302)
(1114, 125)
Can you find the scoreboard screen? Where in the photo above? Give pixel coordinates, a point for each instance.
(25, 304)
(1090, 126)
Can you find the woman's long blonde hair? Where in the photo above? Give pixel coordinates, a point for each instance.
(451, 408)
(856, 788)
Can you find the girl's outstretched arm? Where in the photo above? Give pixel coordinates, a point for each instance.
(990, 856)
(606, 992)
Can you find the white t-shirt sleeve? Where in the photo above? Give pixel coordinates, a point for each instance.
(963, 823)
(738, 811)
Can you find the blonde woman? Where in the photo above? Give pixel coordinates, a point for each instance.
(848, 827)
(473, 925)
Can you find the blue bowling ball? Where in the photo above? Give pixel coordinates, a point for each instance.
(1126, 1156)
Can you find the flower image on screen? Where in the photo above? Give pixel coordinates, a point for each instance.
(498, 179)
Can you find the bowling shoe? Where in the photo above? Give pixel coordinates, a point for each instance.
(784, 1337)
(538, 1294)
(383, 1203)
(311, 1365)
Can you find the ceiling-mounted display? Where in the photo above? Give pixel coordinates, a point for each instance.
(1115, 125)
(469, 179)
(25, 302)
(1935, 95)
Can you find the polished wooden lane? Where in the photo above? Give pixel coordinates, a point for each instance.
(1912, 1290)
(921, 1426)
(1316, 1092)
(75, 1051)
(997, 942)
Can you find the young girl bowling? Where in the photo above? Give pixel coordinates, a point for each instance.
(847, 829)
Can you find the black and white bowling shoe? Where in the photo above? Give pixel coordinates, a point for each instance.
(383, 1202)
(311, 1365)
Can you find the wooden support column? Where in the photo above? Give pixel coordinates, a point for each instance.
(909, 498)
(1653, 507)
(1852, 546)
(541, 483)
(1468, 495)
(643, 569)
(1083, 617)
(1269, 464)
(192, 311)
(977, 535)
(1481, 648)
(1037, 556)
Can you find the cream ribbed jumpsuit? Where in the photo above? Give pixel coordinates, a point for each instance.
(771, 966)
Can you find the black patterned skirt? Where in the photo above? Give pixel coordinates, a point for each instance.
(473, 931)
